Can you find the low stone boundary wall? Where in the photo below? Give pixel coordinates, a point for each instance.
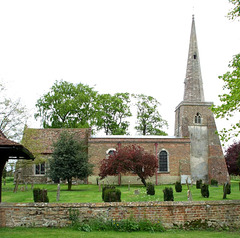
(218, 213)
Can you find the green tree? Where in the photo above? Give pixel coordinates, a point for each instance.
(149, 120)
(13, 116)
(67, 106)
(112, 113)
(235, 11)
(230, 99)
(69, 159)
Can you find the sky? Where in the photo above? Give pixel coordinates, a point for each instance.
(132, 46)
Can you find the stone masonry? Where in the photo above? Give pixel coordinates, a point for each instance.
(215, 213)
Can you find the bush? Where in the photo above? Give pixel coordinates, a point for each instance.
(204, 190)
(106, 187)
(40, 195)
(214, 182)
(178, 187)
(150, 189)
(168, 194)
(111, 194)
(228, 188)
(198, 184)
(129, 225)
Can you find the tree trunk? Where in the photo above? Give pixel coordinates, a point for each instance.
(69, 184)
(144, 182)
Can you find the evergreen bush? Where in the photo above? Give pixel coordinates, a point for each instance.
(40, 195)
(204, 190)
(106, 187)
(168, 194)
(111, 195)
(178, 187)
(214, 182)
(228, 188)
(150, 189)
(198, 184)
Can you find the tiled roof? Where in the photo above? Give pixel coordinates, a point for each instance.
(41, 140)
(10, 149)
(6, 142)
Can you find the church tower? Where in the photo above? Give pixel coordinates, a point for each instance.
(194, 119)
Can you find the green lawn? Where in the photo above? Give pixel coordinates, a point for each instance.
(66, 232)
(90, 193)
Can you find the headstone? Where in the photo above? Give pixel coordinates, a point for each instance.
(58, 192)
(99, 187)
(185, 178)
(136, 192)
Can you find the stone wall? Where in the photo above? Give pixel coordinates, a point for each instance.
(215, 213)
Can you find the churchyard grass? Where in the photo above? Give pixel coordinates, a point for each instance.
(20, 232)
(90, 193)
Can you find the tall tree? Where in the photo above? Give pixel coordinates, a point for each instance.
(69, 159)
(113, 112)
(230, 99)
(67, 106)
(149, 120)
(232, 157)
(235, 11)
(130, 158)
(13, 116)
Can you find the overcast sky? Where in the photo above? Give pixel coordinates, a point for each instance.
(130, 46)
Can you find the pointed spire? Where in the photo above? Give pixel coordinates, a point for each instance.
(193, 91)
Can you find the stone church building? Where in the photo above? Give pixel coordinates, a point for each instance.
(194, 152)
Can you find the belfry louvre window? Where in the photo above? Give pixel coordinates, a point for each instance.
(163, 161)
(198, 118)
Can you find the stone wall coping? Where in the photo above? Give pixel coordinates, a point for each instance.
(123, 204)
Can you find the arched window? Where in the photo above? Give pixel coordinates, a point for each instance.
(198, 118)
(163, 161)
(110, 152)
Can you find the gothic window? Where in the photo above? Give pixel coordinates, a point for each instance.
(198, 118)
(110, 152)
(195, 56)
(40, 169)
(163, 161)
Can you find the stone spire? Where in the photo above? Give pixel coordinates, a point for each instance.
(193, 91)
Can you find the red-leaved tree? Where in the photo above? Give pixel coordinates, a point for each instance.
(130, 158)
(232, 158)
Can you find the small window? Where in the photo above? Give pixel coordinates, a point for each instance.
(195, 56)
(40, 169)
(198, 118)
(163, 161)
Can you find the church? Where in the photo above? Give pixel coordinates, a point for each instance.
(193, 153)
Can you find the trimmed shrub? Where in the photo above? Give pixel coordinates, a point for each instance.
(106, 187)
(204, 190)
(228, 188)
(150, 189)
(198, 184)
(178, 187)
(40, 195)
(168, 194)
(111, 195)
(214, 182)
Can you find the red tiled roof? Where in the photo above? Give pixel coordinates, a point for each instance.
(11, 149)
(6, 142)
(41, 140)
